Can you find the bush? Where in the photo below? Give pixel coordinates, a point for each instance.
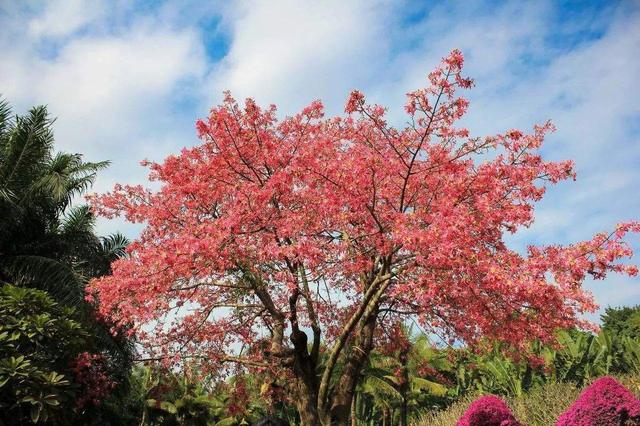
(38, 341)
(604, 402)
(488, 411)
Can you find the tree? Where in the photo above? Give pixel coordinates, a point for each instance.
(623, 321)
(47, 241)
(623, 325)
(272, 241)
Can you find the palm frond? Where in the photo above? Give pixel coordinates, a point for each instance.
(5, 113)
(7, 195)
(64, 284)
(27, 149)
(79, 220)
(115, 245)
(66, 176)
(434, 388)
(380, 389)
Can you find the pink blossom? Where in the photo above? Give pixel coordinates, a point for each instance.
(488, 411)
(240, 225)
(604, 402)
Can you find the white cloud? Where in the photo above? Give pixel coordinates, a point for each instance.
(290, 53)
(119, 84)
(113, 95)
(63, 17)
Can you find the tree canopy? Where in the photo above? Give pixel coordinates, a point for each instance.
(295, 245)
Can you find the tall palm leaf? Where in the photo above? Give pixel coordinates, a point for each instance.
(66, 176)
(59, 280)
(25, 149)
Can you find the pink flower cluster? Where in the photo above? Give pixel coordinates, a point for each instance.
(95, 383)
(488, 411)
(413, 216)
(604, 402)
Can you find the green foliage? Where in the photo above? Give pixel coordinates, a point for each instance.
(45, 242)
(38, 340)
(48, 243)
(170, 399)
(392, 381)
(623, 325)
(580, 357)
(623, 321)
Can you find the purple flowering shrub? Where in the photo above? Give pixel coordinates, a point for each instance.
(604, 402)
(488, 411)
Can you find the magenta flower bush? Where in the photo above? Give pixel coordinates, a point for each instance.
(604, 402)
(488, 411)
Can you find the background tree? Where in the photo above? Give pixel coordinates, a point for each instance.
(623, 321)
(623, 326)
(47, 242)
(272, 241)
(404, 378)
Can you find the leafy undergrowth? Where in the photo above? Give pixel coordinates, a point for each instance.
(543, 406)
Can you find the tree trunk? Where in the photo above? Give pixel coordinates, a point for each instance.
(354, 414)
(404, 384)
(355, 360)
(315, 405)
(307, 408)
(403, 412)
(306, 381)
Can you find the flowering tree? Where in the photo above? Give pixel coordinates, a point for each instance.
(291, 246)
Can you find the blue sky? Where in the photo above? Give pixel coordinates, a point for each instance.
(127, 80)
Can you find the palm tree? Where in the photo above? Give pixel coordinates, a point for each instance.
(44, 241)
(391, 384)
(47, 242)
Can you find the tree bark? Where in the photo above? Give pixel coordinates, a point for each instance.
(355, 360)
(306, 404)
(354, 413)
(304, 367)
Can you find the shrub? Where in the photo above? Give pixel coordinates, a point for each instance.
(38, 340)
(488, 411)
(604, 402)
